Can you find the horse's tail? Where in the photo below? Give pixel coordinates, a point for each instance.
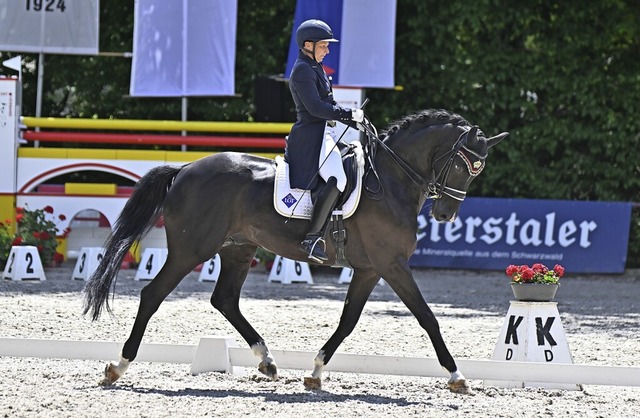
(139, 215)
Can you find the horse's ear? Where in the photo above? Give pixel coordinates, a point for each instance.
(495, 139)
(473, 133)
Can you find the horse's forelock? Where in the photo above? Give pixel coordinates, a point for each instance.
(428, 117)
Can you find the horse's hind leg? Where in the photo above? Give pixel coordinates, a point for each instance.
(362, 284)
(235, 261)
(151, 296)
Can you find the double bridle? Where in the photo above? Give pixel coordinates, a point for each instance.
(430, 189)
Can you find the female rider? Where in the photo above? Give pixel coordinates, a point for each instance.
(311, 145)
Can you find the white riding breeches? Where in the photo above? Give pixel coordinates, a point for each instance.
(330, 160)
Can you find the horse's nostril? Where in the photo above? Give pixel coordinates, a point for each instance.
(442, 217)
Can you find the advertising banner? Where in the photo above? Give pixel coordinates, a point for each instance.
(490, 234)
(50, 26)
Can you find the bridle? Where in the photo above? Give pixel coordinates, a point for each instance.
(430, 189)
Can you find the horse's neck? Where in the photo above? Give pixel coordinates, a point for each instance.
(397, 182)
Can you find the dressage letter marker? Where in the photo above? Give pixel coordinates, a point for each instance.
(151, 262)
(87, 262)
(210, 270)
(532, 332)
(288, 271)
(24, 264)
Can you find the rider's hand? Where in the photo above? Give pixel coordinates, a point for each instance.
(357, 115)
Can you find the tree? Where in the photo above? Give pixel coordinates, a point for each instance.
(561, 76)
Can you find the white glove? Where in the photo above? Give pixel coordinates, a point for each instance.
(357, 115)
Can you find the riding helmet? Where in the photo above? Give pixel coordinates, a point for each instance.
(313, 30)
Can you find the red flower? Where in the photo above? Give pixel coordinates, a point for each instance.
(48, 209)
(19, 209)
(559, 270)
(40, 248)
(511, 270)
(17, 241)
(19, 217)
(58, 258)
(62, 217)
(36, 235)
(539, 268)
(527, 273)
(44, 235)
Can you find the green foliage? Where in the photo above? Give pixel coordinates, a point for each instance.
(6, 238)
(561, 76)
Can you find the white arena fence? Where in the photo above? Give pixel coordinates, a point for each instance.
(220, 353)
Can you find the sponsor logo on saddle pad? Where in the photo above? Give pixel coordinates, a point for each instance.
(296, 203)
(289, 200)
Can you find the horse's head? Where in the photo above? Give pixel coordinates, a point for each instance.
(456, 168)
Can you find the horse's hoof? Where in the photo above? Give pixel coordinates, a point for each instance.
(312, 383)
(270, 370)
(460, 386)
(110, 376)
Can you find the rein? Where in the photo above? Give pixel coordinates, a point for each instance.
(430, 189)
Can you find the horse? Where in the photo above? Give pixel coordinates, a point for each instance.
(223, 204)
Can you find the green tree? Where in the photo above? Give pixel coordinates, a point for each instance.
(561, 76)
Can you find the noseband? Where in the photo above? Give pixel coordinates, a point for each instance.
(438, 187)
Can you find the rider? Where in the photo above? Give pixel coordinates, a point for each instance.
(310, 148)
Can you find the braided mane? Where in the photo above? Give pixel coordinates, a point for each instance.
(426, 117)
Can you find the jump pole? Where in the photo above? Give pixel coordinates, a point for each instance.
(211, 349)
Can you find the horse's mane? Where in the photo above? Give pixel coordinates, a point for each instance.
(427, 117)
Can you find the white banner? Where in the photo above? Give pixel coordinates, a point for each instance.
(8, 135)
(367, 47)
(184, 48)
(50, 26)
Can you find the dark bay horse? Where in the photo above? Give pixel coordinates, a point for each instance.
(224, 204)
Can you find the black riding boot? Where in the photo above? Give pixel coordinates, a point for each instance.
(314, 244)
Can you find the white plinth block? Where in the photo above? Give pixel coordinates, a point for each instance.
(24, 264)
(212, 355)
(88, 261)
(288, 271)
(210, 270)
(151, 262)
(532, 332)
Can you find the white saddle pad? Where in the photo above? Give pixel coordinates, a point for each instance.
(296, 203)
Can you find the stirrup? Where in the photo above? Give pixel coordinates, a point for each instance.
(315, 252)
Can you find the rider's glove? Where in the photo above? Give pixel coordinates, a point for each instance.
(357, 115)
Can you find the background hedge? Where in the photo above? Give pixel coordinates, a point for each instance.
(563, 77)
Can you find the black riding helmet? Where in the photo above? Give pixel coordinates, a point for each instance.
(313, 30)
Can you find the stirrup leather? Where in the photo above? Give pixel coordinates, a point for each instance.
(315, 252)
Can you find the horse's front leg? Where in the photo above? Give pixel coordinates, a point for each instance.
(362, 284)
(235, 261)
(401, 280)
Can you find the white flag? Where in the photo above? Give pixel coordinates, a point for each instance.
(184, 48)
(14, 63)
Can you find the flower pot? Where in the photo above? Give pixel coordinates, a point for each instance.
(534, 292)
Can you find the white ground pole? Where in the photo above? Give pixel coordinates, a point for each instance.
(220, 353)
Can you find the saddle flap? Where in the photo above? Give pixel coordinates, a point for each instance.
(297, 203)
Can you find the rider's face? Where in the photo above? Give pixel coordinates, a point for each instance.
(322, 49)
